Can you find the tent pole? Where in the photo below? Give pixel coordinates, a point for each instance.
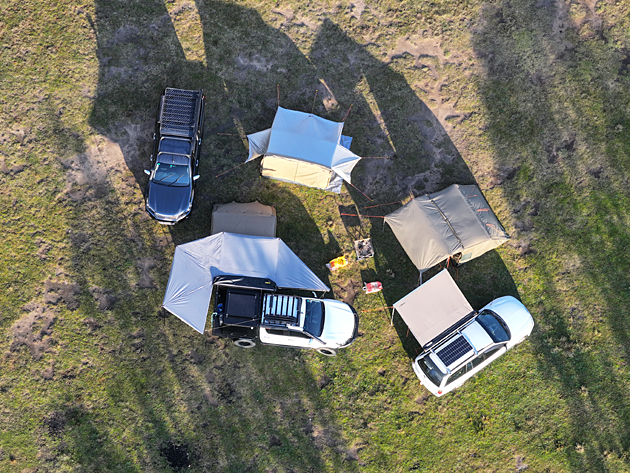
(313, 107)
(278, 89)
(347, 113)
(391, 322)
(225, 172)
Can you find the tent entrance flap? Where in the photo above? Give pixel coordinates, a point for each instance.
(299, 172)
(433, 307)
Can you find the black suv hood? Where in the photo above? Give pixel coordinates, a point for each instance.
(168, 201)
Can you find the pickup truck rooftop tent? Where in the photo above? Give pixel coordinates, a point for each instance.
(247, 219)
(305, 149)
(434, 227)
(196, 264)
(433, 307)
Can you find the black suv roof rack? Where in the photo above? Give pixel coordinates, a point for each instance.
(179, 110)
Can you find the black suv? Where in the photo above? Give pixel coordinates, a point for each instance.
(175, 158)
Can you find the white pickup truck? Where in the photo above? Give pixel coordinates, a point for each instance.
(249, 309)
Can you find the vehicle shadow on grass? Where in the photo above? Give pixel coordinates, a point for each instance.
(554, 92)
(178, 394)
(389, 119)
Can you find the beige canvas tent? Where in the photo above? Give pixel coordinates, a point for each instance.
(455, 221)
(251, 218)
(305, 149)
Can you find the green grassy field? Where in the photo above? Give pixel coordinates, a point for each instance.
(528, 98)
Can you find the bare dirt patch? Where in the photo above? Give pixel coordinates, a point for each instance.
(104, 297)
(348, 292)
(61, 291)
(324, 437)
(420, 48)
(55, 423)
(144, 266)
(176, 455)
(34, 331)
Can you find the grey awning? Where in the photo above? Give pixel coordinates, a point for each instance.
(196, 264)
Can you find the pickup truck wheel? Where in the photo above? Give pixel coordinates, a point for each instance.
(327, 351)
(245, 343)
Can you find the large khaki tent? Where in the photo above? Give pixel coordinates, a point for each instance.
(303, 148)
(433, 307)
(436, 226)
(251, 218)
(196, 264)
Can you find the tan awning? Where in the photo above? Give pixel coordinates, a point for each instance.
(433, 307)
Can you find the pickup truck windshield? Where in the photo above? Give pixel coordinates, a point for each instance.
(172, 175)
(314, 317)
(432, 371)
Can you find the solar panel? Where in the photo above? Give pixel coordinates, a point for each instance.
(454, 350)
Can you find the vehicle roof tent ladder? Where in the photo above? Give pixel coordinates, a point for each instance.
(179, 111)
(434, 227)
(196, 264)
(305, 149)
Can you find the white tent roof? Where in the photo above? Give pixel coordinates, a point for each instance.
(197, 263)
(433, 307)
(305, 137)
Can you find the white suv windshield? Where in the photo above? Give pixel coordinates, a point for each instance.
(314, 317)
(495, 327)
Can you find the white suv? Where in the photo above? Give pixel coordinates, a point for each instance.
(448, 364)
(321, 324)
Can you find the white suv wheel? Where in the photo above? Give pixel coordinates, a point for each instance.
(327, 351)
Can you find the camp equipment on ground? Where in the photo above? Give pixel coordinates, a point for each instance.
(305, 149)
(371, 287)
(364, 248)
(337, 263)
(454, 221)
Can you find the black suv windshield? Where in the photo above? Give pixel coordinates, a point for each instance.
(495, 327)
(172, 175)
(314, 317)
(432, 371)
